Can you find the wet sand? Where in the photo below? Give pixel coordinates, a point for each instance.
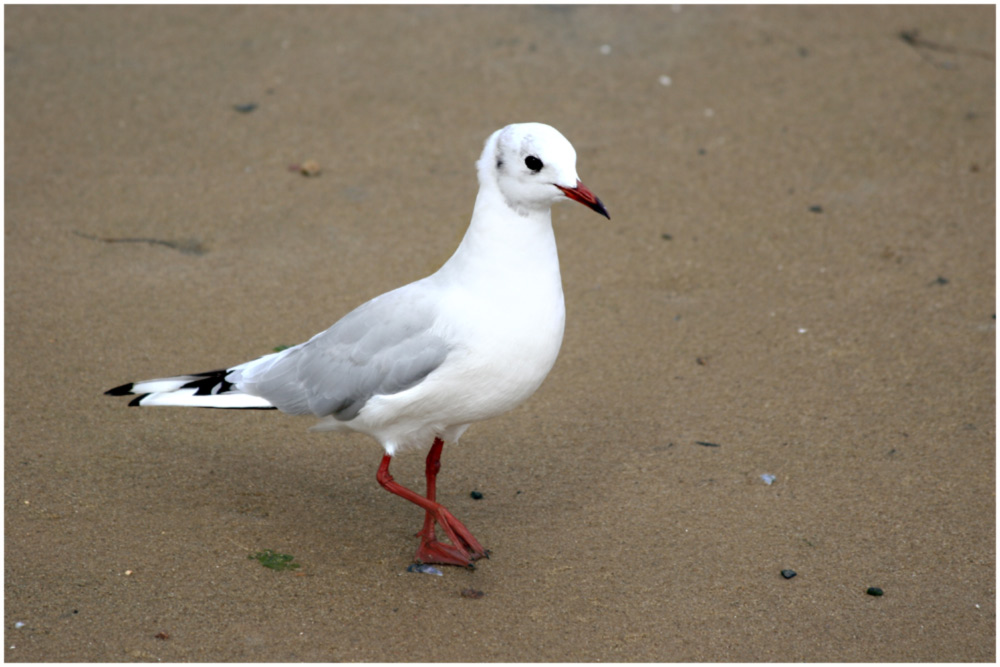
(799, 271)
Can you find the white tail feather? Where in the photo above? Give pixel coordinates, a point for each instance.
(189, 398)
(201, 390)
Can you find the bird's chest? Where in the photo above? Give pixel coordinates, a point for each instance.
(514, 334)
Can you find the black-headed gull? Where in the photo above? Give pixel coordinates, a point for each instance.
(419, 364)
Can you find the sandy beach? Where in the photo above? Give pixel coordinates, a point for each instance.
(779, 353)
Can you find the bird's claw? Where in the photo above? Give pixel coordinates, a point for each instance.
(440, 553)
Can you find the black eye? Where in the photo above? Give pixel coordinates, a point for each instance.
(533, 163)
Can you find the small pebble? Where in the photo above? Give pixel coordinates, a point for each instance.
(816, 208)
(245, 108)
(769, 480)
(424, 569)
(20, 624)
(310, 168)
(788, 574)
(476, 495)
(874, 590)
(162, 635)
(665, 80)
(472, 594)
(605, 49)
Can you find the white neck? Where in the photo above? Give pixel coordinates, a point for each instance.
(506, 247)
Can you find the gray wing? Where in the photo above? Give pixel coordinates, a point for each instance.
(383, 347)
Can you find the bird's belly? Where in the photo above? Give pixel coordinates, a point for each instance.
(505, 383)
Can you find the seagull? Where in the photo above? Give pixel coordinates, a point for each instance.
(421, 363)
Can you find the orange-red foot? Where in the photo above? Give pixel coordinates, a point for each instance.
(441, 553)
(463, 550)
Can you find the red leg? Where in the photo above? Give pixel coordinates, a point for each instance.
(464, 548)
(427, 533)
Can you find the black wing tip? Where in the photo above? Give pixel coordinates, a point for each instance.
(122, 390)
(125, 390)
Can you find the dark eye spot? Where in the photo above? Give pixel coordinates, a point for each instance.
(533, 163)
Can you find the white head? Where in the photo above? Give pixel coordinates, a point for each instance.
(533, 166)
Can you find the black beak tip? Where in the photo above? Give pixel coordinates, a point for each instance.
(599, 207)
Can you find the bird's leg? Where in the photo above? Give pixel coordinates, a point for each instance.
(464, 548)
(427, 533)
(430, 548)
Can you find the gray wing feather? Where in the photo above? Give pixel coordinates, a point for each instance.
(383, 347)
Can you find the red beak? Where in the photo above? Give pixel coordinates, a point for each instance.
(581, 194)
